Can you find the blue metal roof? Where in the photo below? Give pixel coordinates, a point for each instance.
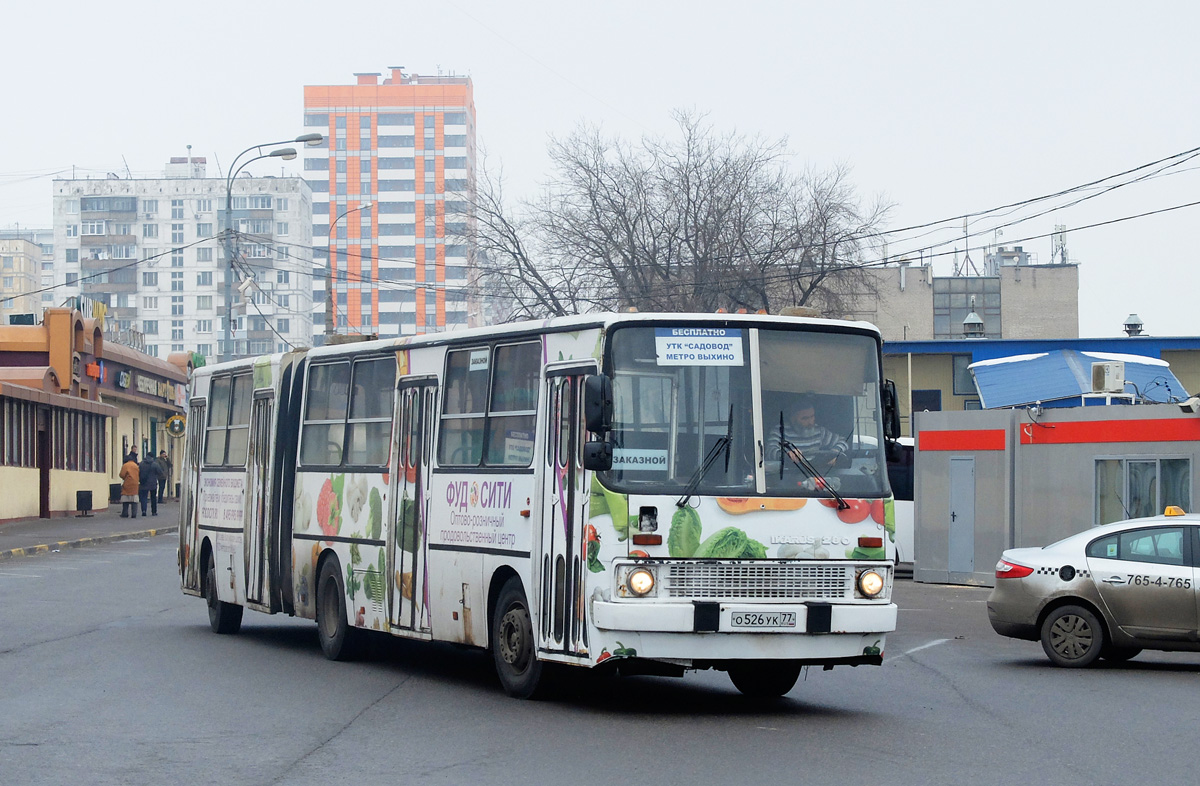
(989, 348)
(1063, 376)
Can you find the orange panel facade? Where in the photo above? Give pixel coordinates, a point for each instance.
(387, 196)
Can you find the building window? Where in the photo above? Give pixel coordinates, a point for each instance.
(72, 255)
(150, 327)
(176, 233)
(281, 276)
(283, 325)
(260, 202)
(72, 230)
(176, 208)
(93, 227)
(150, 303)
(1138, 486)
(204, 278)
(204, 325)
(150, 207)
(204, 255)
(204, 206)
(149, 230)
(964, 381)
(204, 229)
(204, 303)
(952, 302)
(176, 281)
(281, 227)
(281, 203)
(149, 279)
(176, 305)
(177, 257)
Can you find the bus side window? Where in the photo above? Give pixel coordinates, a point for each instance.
(370, 425)
(324, 428)
(460, 433)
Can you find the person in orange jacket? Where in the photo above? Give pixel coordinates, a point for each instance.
(130, 480)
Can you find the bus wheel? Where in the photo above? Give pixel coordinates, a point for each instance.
(513, 647)
(339, 641)
(765, 679)
(222, 617)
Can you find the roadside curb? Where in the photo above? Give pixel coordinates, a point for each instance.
(74, 544)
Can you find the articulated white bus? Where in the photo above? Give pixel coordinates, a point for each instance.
(616, 491)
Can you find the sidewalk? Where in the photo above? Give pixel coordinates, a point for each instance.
(23, 537)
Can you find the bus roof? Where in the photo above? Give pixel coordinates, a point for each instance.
(556, 325)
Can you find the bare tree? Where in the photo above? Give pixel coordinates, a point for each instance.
(704, 222)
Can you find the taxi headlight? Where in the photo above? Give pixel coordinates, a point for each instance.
(870, 583)
(640, 582)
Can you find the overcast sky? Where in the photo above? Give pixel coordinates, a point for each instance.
(943, 108)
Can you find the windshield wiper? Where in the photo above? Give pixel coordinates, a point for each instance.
(722, 444)
(792, 451)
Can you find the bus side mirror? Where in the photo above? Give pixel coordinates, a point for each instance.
(597, 455)
(598, 404)
(891, 411)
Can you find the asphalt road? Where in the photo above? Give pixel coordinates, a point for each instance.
(108, 674)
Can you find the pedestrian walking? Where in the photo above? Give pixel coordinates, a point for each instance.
(148, 473)
(164, 479)
(130, 482)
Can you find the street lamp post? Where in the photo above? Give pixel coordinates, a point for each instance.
(287, 154)
(329, 289)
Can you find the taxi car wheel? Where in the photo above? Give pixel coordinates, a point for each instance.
(1072, 636)
(1119, 654)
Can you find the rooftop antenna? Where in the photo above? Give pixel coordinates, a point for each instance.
(967, 264)
(126, 166)
(1058, 245)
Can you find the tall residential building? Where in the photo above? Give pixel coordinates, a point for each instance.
(20, 274)
(151, 250)
(391, 188)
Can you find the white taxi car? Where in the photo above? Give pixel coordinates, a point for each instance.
(1106, 593)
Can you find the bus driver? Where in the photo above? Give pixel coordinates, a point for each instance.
(818, 444)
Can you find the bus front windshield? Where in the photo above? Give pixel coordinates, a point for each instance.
(774, 411)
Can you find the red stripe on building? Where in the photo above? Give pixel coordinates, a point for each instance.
(1182, 430)
(977, 439)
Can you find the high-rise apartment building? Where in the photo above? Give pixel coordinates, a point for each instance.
(151, 250)
(391, 187)
(20, 270)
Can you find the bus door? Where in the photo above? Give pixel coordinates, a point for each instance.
(564, 547)
(258, 485)
(408, 584)
(189, 508)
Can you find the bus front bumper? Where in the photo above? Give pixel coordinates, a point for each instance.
(765, 619)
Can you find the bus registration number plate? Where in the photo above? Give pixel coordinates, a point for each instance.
(763, 619)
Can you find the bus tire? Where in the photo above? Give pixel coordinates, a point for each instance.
(222, 617)
(765, 679)
(513, 647)
(339, 641)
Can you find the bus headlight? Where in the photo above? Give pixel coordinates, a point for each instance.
(640, 582)
(870, 583)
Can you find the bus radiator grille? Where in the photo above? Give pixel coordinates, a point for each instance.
(759, 581)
